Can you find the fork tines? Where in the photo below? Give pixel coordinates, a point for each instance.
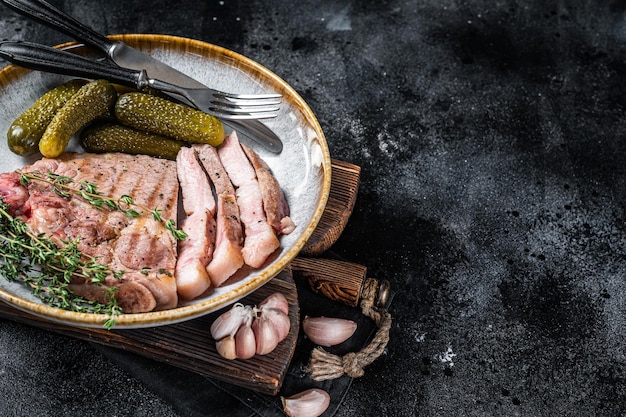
(245, 106)
(235, 96)
(243, 113)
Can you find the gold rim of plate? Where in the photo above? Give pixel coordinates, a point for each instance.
(209, 51)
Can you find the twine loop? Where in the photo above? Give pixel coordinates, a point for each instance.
(324, 365)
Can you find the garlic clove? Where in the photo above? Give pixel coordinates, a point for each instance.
(226, 347)
(280, 321)
(276, 301)
(310, 403)
(265, 334)
(328, 331)
(245, 342)
(228, 323)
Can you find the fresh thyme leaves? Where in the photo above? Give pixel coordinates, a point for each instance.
(22, 250)
(178, 234)
(88, 191)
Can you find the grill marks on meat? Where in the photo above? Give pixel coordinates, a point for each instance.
(132, 245)
(227, 258)
(260, 240)
(196, 251)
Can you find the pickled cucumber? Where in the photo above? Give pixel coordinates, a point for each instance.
(26, 131)
(113, 137)
(95, 99)
(163, 117)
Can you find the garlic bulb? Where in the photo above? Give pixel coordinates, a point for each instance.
(310, 403)
(327, 331)
(244, 331)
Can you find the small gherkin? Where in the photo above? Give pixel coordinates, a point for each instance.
(25, 132)
(164, 117)
(113, 137)
(94, 100)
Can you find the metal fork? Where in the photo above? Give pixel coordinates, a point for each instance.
(223, 105)
(228, 106)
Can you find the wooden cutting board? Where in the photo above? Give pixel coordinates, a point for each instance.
(189, 345)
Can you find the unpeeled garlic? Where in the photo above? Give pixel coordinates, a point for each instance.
(310, 403)
(226, 347)
(266, 336)
(328, 331)
(244, 331)
(245, 341)
(276, 301)
(229, 322)
(280, 321)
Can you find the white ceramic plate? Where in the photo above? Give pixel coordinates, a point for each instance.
(302, 169)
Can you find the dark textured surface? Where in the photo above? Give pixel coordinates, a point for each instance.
(491, 138)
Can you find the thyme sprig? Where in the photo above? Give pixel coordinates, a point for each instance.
(48, 269)
(88, 191)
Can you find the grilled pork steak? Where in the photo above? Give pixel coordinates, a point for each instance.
(195, 252)
(227, 257)
(141, 247)
(274, 201)
(251, 208)
(260, 240)
(235, 211)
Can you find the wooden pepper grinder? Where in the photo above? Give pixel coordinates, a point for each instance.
(339, 281)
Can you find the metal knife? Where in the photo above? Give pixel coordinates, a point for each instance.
(129, 57)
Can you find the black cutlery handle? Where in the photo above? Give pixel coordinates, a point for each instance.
(48, 59)
(49, 15)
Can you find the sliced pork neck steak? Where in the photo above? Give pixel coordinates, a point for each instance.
(133, 245)
(260, 241)
(227, 257)
(234, 212)
(196, 251)
(274, 201)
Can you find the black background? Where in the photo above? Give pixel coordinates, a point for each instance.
(491, 140)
